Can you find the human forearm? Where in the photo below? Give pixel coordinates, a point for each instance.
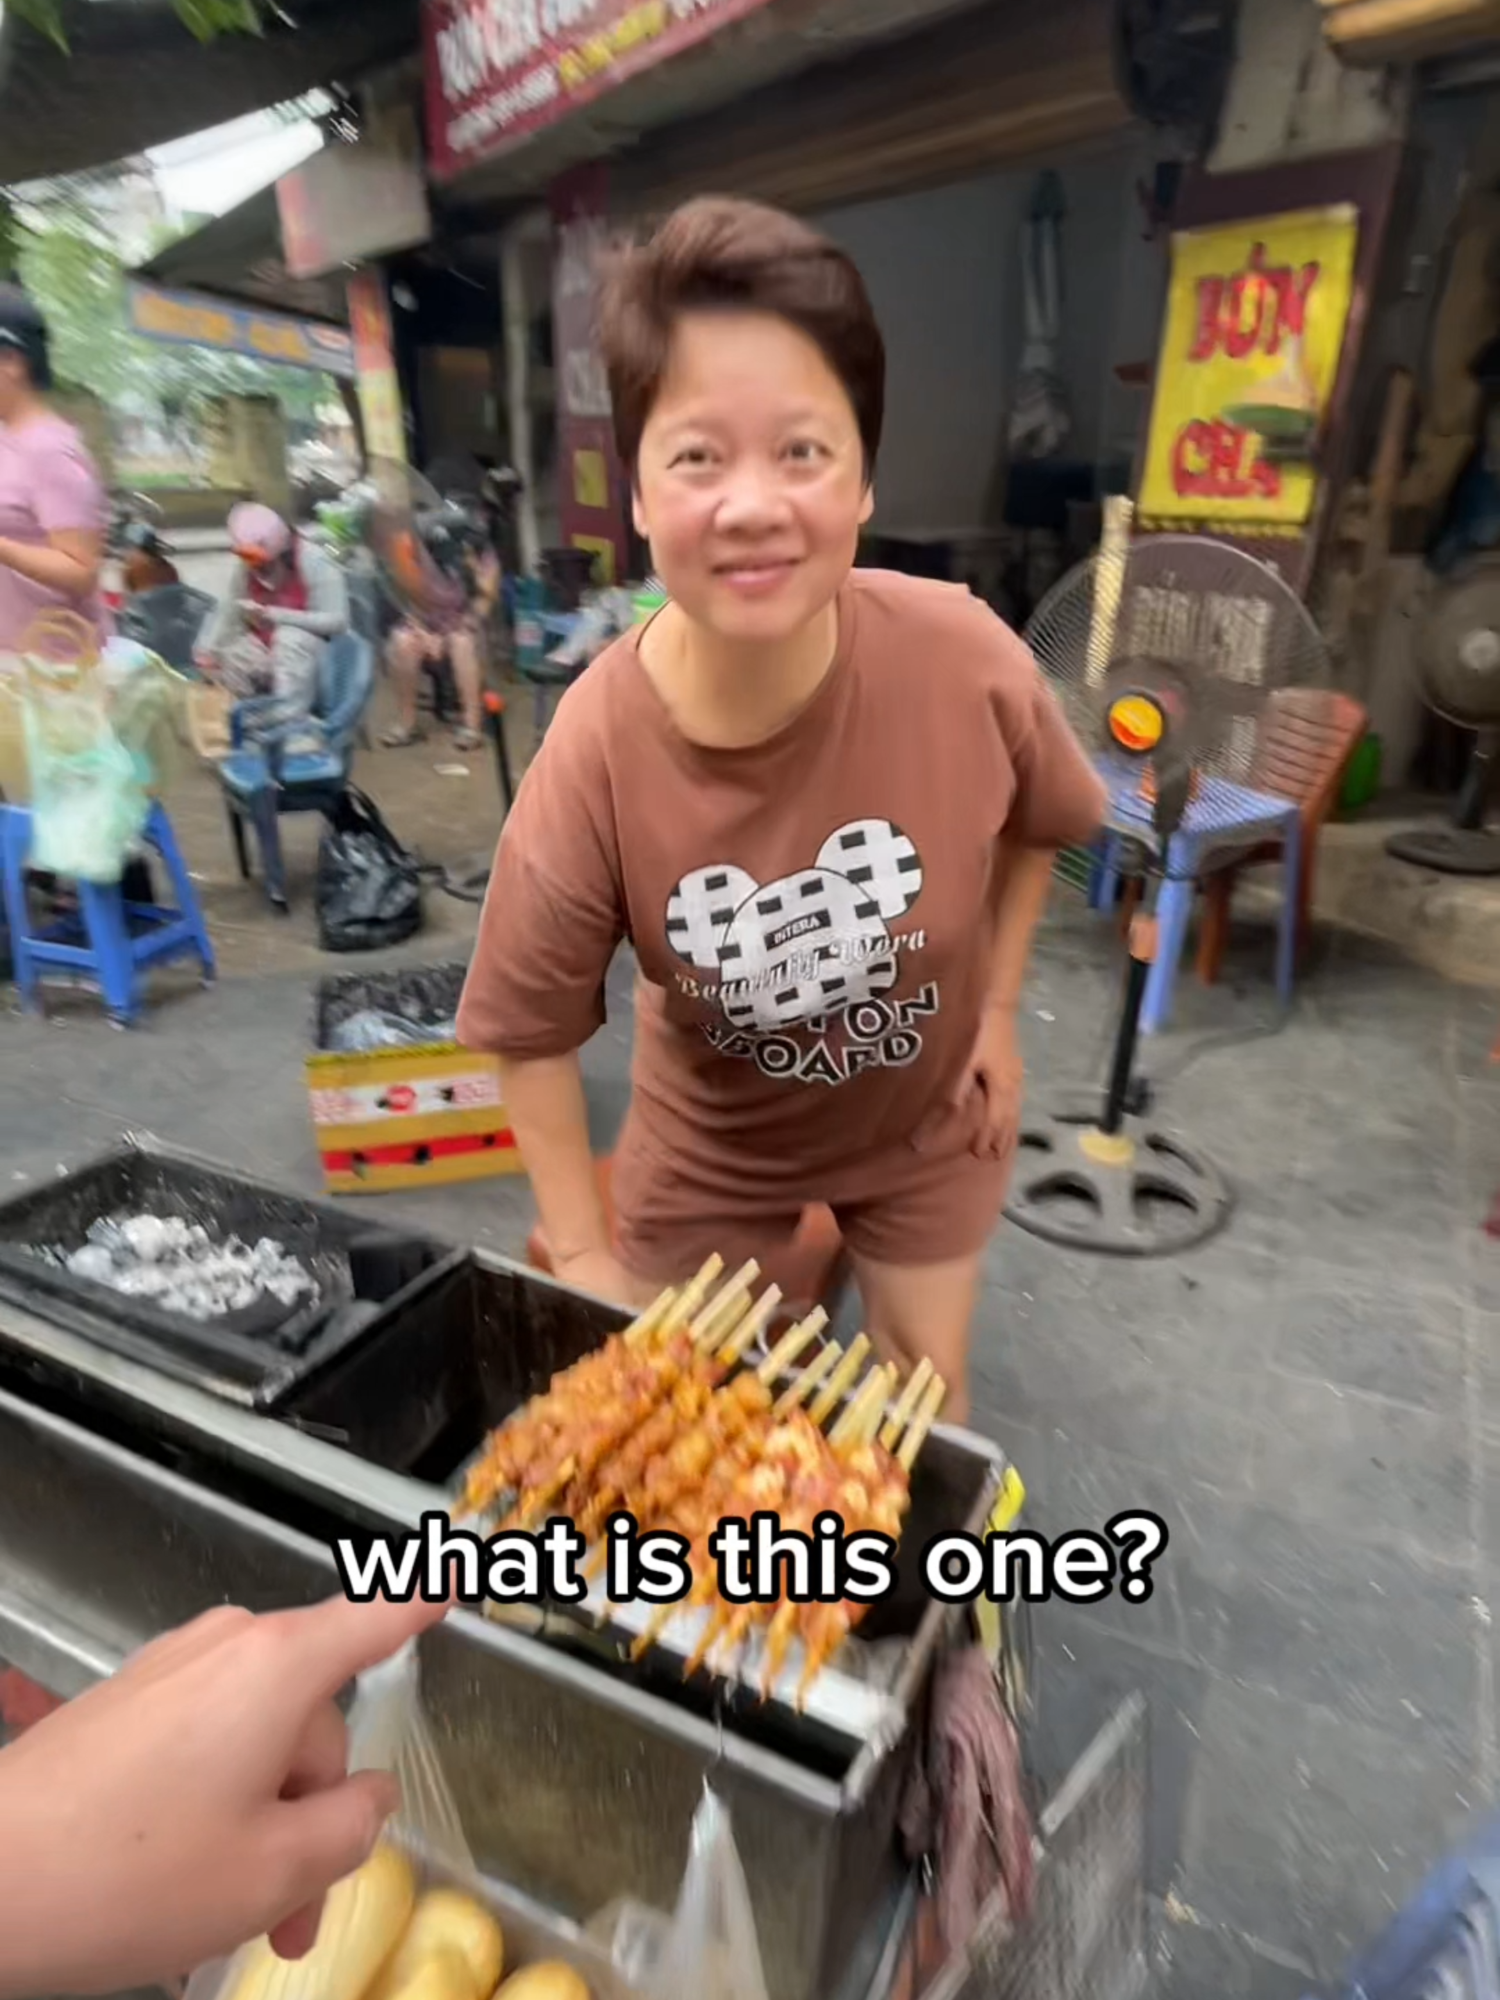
(51, 568)
(39, 1924)
(1025, 887)
(549, 1116)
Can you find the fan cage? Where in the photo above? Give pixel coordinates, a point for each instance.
(1231, 627)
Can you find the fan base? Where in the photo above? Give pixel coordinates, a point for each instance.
(1450, 850)
(1135, 1193)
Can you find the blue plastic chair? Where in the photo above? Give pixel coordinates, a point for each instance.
(111, 941)
(1220, 822)
(261, 780)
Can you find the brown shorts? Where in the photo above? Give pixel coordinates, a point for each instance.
(900, 1207)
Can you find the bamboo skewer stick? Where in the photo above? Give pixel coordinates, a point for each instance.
(786, 1350)
(823, 1364)
(726, 1306)
(864, 1413)
(921, 1424)
(648, 1323)
(842, 1379)
(744, 1333)
(911, 1395)
(690, 1299)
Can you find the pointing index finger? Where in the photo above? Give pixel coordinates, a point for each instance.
(338, 1639)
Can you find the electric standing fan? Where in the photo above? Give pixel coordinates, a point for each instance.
(1458, 664)
(405, 522)
(1164, 654)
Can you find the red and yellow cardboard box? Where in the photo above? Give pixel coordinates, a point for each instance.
(424, 1115)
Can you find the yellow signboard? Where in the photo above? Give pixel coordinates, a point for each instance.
(1256, 316)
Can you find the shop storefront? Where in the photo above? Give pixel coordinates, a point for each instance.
(835, 121)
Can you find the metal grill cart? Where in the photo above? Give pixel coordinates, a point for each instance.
(138, 1488)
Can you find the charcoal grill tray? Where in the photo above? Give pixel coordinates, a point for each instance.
(256, 1356)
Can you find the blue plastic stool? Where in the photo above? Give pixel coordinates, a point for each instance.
(110, 941)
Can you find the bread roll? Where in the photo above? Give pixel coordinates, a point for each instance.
(363, 1919)
(551, 1980)
(446, 1919)
(442, 1973)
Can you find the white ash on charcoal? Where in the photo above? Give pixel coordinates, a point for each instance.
(178, 1266)
(375, 1028)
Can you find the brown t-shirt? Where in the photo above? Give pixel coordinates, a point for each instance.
(812, 916)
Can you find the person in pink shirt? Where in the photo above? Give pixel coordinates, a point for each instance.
(53, 507)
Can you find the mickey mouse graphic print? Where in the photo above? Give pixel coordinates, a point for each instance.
(812, 917)
(808, 947)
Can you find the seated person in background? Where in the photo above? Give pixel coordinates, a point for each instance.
(286, 601)
(146, 564)
(462, 550)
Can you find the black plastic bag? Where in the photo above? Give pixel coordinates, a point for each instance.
(369, 885)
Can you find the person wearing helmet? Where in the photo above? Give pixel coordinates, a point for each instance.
(53, 508)
(146, 564)
(458, 541)
(287, 600)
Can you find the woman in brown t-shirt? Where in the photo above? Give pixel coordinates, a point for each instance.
(821, 803)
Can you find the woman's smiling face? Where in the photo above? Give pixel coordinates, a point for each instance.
(750, 481)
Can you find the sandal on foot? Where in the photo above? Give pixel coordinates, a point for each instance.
(467, 739)
(400, 738)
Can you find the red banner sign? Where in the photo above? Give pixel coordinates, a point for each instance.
(499, 70)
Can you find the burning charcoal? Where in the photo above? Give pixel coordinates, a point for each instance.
(92, 1261)
(147, 1237)
(179, 1266)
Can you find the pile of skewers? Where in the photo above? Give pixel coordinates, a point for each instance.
(667, 1422)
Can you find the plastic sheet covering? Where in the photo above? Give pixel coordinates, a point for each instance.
(708, 1948)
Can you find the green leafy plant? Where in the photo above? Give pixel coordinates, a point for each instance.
(203, 18)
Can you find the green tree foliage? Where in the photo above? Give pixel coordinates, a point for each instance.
(68, 263)
(204, 18)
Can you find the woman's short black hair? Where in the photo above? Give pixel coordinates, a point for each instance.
(23, 331)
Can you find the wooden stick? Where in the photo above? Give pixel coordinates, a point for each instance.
(651, 1319)
(842, 1379)
(877, 1416)
(925, 1418)
(809, 1379)
(785, 1352)
(910, 1396)
(690, 1298)
(873, 1394)
(750, 1328)
(725, 1306)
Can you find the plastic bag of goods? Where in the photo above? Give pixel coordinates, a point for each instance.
(89, 789)
(413, 1922)
(707, 1949)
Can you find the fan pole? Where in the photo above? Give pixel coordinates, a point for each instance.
(1127, 1036)
(1097, 1176)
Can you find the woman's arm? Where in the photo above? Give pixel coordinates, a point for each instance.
(535, 993)
(549, 1116)
(225, 622)
(68, 561)
(1026, 884)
